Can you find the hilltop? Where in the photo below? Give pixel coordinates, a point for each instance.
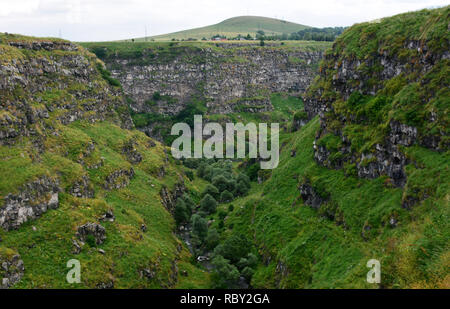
(232, 27)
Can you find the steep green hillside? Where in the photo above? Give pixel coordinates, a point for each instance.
(366, 179)
(231, 27)
(71, 161)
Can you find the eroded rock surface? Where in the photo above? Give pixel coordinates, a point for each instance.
(32, 200)
(11, 270)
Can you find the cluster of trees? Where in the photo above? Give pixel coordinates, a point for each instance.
(309, 34)
(317, 34)
(232, 257)
(224, 186)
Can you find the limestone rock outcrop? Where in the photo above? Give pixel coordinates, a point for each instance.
(11, 270)
(32, 200)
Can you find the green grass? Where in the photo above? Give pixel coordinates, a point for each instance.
(128, 250)
(64, 153)
(323, 253)
(142, 53)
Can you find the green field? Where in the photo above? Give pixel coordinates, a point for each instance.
(232, 27)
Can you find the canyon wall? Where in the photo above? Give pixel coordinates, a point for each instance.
(383, 96)
(226, 77)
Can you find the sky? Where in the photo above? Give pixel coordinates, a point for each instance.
(103, 20)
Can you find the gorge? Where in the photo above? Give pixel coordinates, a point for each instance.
(363, 172)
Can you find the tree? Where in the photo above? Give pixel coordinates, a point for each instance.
(207, 174)
(181, 214)
(201, 169)
(250, 261)
(244, 178)
(242, 188)
(261, 42)
(208, 204)
(247, 273)
(234, 248)
(222, 214)
(190, 205)
(220, 182)
(211, 190)
(199, 227)
(225, 275)
(212, 240)
(190, 175)
(226, 196)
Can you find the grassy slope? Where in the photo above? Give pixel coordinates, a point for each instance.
(171, 50)
(45, 244)
(320, 253)
(232, 27)
(329, 247)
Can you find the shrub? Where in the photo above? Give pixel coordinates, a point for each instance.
(252, 171)
(230, 208)
(199, 227)
(207, 174)
(244, 178)
(191, 163)
(201, 169)
(190, 205)
(212, 240)
(226, 196)
(208, 204)
(181, 213)
(220, 182)
(190, 175)
(247, 273)
(225, 275)
(234, 248)
(250, 261)
(222, 214)
(211, 190)
(106, 75)
(242, 188)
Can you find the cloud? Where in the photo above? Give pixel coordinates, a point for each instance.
(94, 20)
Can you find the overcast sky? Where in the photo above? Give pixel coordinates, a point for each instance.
(102, 20)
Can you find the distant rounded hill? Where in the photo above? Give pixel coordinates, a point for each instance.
(232, 27)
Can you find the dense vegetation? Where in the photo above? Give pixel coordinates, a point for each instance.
(308, 34)
(248, 226)
(358, 219)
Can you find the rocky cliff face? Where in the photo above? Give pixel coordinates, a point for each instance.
(70, 159)
(378, 93)
(42, 77)
(32, 201)
(44, 83)
(11, 268)
(230, 78)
